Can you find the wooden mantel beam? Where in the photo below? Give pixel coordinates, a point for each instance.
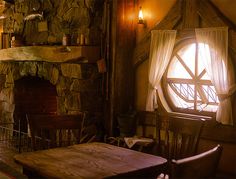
(51, 53)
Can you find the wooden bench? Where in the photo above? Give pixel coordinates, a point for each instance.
(49, 131)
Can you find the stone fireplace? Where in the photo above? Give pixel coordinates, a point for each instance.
(73, 73)
(37, 54)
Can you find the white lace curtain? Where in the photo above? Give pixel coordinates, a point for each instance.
(162, 44)
(213, 48)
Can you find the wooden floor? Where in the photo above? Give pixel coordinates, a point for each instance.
(6, 156)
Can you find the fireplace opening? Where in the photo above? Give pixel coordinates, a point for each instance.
(33, 95)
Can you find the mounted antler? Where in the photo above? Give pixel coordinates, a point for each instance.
(36, 13)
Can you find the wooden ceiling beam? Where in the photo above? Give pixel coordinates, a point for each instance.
(212, 17)
(209, 15)
(190, 16)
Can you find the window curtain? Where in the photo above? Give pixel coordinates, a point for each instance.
(213, 48)
(162, 44)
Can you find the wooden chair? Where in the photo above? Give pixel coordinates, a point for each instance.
(128, 124)
(203, 165)
(89, 134)
(48, 131)
(179, 137)
(146, 120)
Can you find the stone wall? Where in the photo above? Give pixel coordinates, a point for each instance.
(78, 85)
(73, 17)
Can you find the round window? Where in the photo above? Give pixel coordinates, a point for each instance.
(188, 84)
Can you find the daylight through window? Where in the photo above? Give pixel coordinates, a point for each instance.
(188, 84)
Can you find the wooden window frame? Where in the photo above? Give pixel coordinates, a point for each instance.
(165, 81)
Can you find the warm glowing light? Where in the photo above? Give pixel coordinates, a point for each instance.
(140, 16)
(2, 17)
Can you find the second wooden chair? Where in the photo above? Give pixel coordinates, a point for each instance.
(179, 137)
(49, 130)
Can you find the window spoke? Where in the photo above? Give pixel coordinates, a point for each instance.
(185, 66)
(202, 74)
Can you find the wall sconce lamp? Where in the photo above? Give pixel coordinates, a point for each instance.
(37, 11)
(140, 17)
(3, 16)
(8, 11)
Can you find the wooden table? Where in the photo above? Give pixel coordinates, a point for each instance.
(90, 160)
